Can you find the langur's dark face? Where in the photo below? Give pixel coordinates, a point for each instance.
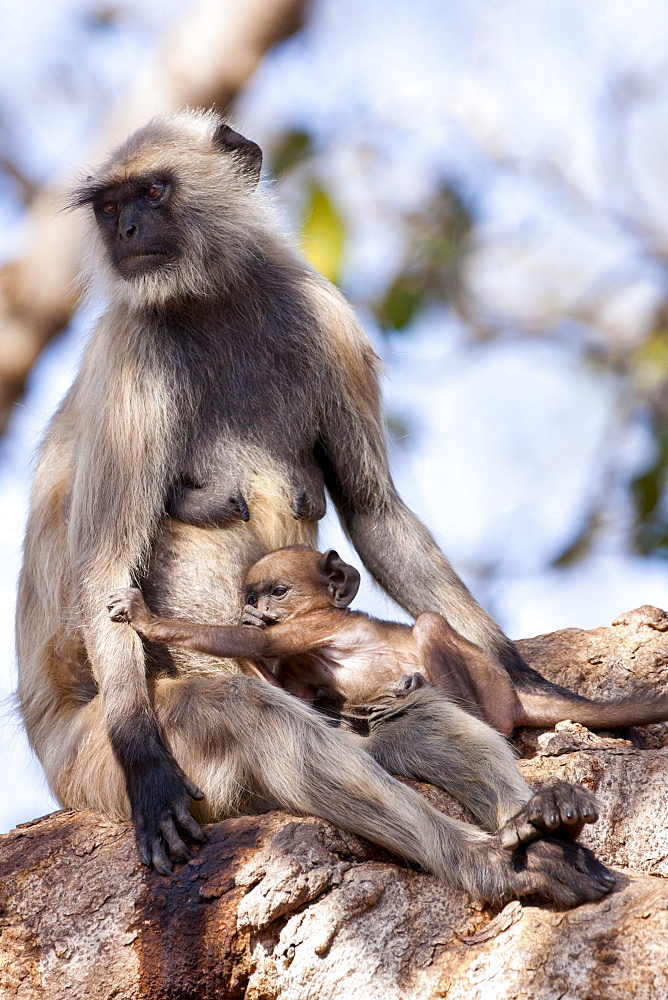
(137, 225)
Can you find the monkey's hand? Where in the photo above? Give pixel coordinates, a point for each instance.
(127, 605)
(561, 809)
(160, 794)
(258, 619)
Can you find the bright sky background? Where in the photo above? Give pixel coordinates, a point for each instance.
(508, 440)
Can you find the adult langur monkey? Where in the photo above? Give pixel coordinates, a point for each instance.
(224, 387)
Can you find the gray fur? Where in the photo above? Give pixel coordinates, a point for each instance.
(233, 368)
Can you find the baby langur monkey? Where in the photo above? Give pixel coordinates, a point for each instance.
(425, 686)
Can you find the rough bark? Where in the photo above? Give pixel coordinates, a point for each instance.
(280, 907)
(203, 61)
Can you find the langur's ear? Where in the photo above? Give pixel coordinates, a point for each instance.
(247, 153)
(343, 581)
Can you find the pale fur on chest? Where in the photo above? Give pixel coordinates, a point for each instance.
(196, 574)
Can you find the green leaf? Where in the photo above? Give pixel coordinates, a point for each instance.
(294, 147)
(648, 492)
(438, 241)
(323, 234)
(401, 302)
(649, 364)
(580, 546)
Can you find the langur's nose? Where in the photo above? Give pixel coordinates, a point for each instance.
(126, 232)
(127, 227)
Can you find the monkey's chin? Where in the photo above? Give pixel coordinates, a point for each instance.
(144, 263)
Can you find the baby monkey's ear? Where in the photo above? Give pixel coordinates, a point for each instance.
(342, 580)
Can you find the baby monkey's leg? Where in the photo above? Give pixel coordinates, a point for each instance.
(462, 671)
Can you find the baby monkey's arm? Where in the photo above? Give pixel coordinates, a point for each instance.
(288, 639)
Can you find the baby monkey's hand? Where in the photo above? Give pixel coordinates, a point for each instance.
(258, 619)
(127, 605)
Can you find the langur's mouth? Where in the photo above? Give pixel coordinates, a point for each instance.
(139, 262)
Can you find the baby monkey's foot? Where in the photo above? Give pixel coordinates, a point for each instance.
(561, 809)
(127, 605)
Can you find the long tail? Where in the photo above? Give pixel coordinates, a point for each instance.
(546, 709)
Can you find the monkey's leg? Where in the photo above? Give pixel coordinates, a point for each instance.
(251, 746)
(247, 743)
(429, 738)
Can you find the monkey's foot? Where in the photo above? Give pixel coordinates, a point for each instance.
(558, 871)
(561, 809)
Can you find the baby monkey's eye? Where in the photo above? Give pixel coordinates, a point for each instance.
(252, 600)
(279, 591)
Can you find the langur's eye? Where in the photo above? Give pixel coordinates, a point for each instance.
(154, 191)
(109, 208)
(252, 600)
(279, 591)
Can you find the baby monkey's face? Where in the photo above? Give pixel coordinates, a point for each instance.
(295, 581)
(292, 581)
(282, 597)
(273, 598)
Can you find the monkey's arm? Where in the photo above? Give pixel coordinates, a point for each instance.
(123, 407)
(394, 545)
(239, 641)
